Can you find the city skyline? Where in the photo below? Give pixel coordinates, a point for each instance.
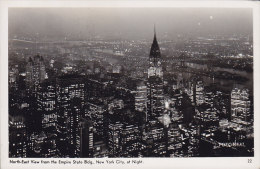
(76, 97)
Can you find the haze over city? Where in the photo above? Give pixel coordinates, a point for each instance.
(128, 23)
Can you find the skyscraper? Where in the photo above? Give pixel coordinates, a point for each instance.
(155, 82)
(70, 91)
(35, 71)
(46, 105)
(240, 105)
(86, 138)
(113, 139)
(17, 136)
(155, 68)
(141, 98)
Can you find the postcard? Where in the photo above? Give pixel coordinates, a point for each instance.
(146, 84)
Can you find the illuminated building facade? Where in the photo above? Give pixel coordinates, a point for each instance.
(114, 131)
(86, 138)
(17, 136)
(155, 82)
(70, 91)
(240, 106)
(35, 71)
(46, 105)
(141, 98)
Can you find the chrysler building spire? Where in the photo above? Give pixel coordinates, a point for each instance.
(155, 53)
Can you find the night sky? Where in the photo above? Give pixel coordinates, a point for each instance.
(129, 23)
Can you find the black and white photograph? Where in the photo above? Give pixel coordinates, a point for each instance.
(131, 82)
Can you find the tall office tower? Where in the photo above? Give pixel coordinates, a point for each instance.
(155, 82)
(86, 138)
(95, 112)
(141, 98)
(13, 78)
(200, 97)
(17, 136)
(124, 140)
(156, 139)
(197, 92)
(35, 71)
(209, 98)
(46, 105)
(240, 106)
(130, 141)
(174, 141)
(70, 91)
(187, 109)
(114, 131)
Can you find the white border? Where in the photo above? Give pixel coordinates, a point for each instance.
(217, 162)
